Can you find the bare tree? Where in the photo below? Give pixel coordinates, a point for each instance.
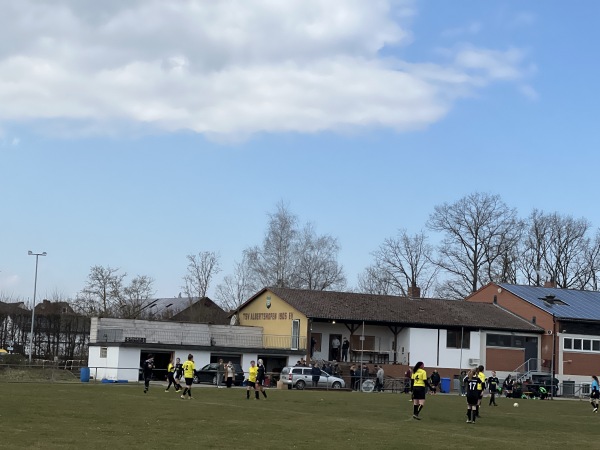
(294, 258)
(102, 291)
(402, 262)
(374, 280)
(533, 248)
(235, 289)
(200, 271)
(477, 230)
(273, 263)
(316, 265)
(592, 257)
(136, 298)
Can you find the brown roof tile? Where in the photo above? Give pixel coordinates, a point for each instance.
(355, 307)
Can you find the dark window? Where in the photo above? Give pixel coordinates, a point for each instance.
(568, 343)
(587, 344)
(576, 344)
(507, 340)
(453, 338)
(596, 346)
(297, 371)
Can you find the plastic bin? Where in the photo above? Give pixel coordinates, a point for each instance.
(85, 375)
(445, 385)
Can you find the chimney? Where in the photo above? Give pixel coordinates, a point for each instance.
(550, 283)
(414, 292)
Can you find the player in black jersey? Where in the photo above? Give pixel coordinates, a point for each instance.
(492, 383)
(472, 384)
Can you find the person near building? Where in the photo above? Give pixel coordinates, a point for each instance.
(463, 375)
(508, 386)
(220, 373)
(492, 383)
(335, 348)
(251, 381)
(316, 375)
(595, 393)
(230, 374)
(171, 376)
(407, 380)
(380, 377)
(261, 376)
(419, 382)
(354, 377)
(345, 348)
(188, 374)
(435, 382)
(471, 383)
(313, 344)
(147, 369)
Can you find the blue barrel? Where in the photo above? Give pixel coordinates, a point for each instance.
(85, 375)
(445, 385)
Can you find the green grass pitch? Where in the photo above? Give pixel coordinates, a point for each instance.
(111, 416)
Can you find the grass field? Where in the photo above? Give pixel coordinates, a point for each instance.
(112, 416)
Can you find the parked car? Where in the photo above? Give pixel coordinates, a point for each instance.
(301, 377)
(208, 374)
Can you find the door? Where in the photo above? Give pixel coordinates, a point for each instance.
(295, 334)
(531, 354)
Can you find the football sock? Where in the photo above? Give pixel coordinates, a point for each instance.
(420, 408)
(248, 394)
(265, 394)
(469, 413)
(416, 410)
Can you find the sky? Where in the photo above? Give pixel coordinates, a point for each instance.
(135, 133)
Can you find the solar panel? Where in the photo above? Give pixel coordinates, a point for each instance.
(565, 303)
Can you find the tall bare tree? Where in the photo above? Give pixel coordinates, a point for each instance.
(235, 289)
(402, 262)
(136, 298)
(102, 292)
(477, 230)
(201, 270)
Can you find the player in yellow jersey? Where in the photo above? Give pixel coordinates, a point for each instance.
(418, 383)
(251, 381)
(480, 387)
(188, 373)
(171, 375)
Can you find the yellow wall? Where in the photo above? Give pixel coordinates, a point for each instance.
(276, 320)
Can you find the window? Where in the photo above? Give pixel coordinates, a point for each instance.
(568, 343)
(453, 338)
(318, 338)
(295, 334)
(576, 344)
(103, 352)
(596, 346)
(587, 344)
(508, 340)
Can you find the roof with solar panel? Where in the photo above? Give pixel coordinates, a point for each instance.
(562, 303)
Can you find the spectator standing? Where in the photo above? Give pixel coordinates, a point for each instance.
(335, 348)
(380, 376)
(345, 348)
(147, 368)
(316, 375)
(407, 380)
(313, 344)
(230, 373)
(220, 373)
(353, 377)
(435, 381)
(463, 388)
(508, 386)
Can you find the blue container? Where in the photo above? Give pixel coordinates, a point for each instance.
(445, 385)
(85, 375)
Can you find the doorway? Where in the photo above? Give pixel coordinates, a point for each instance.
(335, 347)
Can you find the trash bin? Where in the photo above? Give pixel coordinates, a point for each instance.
(267, 382)
(445, 385)
(85, 375)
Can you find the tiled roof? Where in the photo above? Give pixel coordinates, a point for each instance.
(578, 304)
(355, 307)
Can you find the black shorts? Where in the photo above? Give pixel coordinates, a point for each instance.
(480, 394)
(472, 398)
(595, 395)
(419, 393)
(189, 381)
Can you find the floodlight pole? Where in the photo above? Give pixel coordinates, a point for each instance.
(37, 255)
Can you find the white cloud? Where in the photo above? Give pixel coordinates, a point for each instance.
(232, 67)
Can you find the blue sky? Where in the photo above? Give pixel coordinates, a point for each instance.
(135, 133)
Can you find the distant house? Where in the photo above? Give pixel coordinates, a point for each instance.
(201, 310)
(570, 319)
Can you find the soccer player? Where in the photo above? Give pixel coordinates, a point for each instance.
(261, 374)
(178, 374)
(251, 382)
(188, 373)
(147, 368)
(595, 394)
(480, 387)
(418, 383)
(493, 382)
(171, 376)
(471, 383)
